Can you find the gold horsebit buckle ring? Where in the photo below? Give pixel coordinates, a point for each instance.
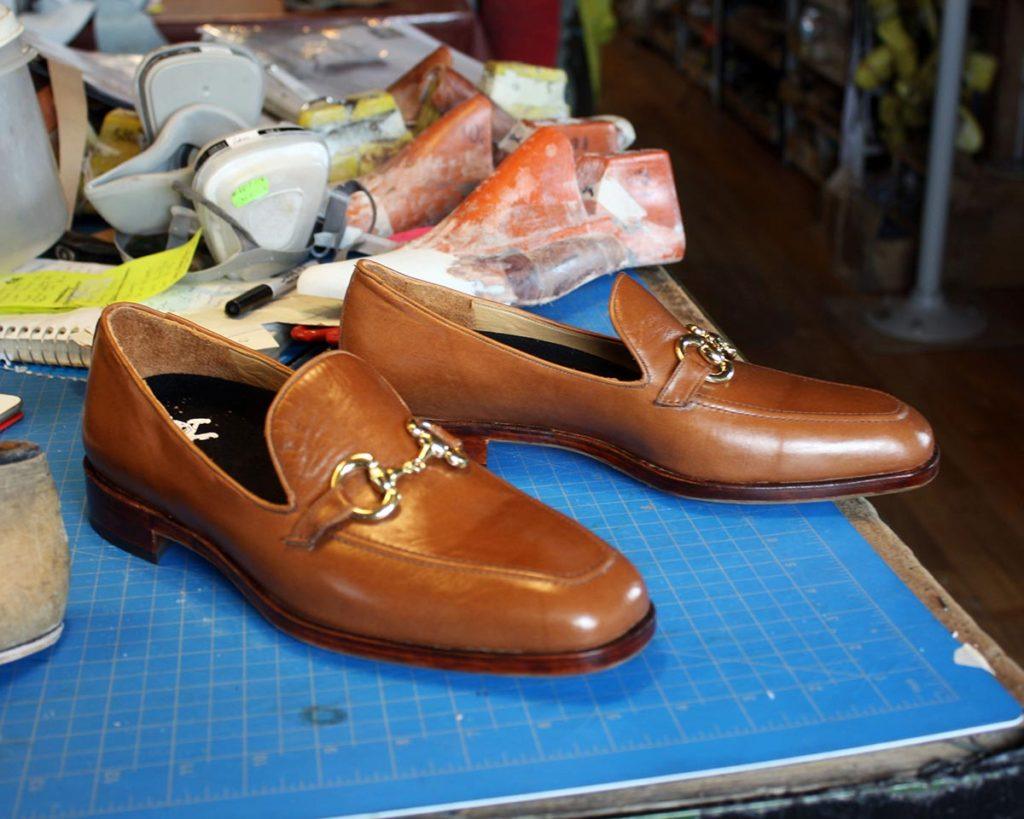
(385, 478)
(714, 349)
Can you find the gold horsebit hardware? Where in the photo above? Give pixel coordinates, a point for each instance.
(715, 350)
(385, 478)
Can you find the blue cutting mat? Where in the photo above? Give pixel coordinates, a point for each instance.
(781, 635)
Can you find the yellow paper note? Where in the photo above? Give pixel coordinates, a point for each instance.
(50, 291)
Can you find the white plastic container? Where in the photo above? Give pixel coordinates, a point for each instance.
(32, 209)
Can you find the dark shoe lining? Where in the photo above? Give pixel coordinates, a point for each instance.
(237, 413)
(568, 356)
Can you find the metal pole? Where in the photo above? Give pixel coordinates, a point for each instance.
(940, 153)
(925, 315)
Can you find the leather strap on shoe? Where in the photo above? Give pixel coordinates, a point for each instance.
(703, 355)
(329, 512)
(682, 385)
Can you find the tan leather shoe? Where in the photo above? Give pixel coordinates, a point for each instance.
(667, 403)
(345, 523)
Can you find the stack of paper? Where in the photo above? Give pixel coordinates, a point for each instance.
(64, 338)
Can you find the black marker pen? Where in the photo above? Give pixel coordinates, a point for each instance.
(263, 293)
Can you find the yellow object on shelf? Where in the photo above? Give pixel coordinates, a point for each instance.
(526, 91)
(900, 45)
(969, 136)
(980, 72)
(874, 69)
(597, 19)
(120, 138)
(361, 131)
(906, 84)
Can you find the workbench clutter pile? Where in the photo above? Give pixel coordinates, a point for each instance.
(347, 498)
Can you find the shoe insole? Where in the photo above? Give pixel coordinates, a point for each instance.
(569, 357)
(225, 420)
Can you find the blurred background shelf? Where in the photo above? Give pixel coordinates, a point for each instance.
(779, 54)
(784, 69)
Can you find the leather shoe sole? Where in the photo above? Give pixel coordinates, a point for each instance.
(475, 436)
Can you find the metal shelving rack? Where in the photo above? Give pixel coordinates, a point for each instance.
(805, 127)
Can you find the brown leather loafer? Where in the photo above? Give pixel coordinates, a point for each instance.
(345, 522)
(666, 403)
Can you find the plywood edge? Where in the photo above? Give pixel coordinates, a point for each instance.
(925, 762)
(901, 559)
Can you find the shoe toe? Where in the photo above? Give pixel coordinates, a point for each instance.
(910, 442)
(597, 612)
(589, 598)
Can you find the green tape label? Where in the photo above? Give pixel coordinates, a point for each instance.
(255, 188)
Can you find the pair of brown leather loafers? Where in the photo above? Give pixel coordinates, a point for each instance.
(357, 523)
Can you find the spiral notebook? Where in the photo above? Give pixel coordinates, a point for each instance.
(61, 339)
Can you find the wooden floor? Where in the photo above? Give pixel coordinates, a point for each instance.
(758, 262)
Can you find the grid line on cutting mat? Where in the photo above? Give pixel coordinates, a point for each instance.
(781, 635)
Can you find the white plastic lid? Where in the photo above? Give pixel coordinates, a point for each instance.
(10, 26)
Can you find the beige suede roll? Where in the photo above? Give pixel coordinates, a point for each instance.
(34, 558)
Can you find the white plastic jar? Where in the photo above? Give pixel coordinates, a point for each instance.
(32, 209)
